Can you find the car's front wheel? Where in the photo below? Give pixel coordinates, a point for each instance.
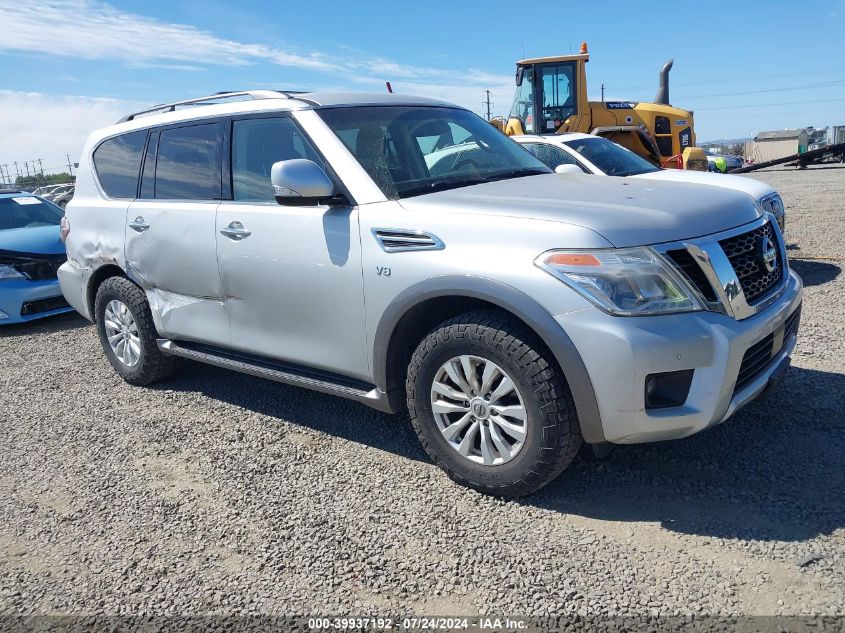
(490, 407)
(127, 333)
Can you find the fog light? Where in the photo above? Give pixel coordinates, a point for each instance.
(669, 389)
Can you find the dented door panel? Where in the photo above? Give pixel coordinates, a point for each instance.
(175, 261)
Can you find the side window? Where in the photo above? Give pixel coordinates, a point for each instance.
(188, 164)
(256, 145)
(551, 155)
(118, 164)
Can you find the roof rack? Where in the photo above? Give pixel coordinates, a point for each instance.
(214, 98)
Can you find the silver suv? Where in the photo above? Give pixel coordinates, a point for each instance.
(403, 253)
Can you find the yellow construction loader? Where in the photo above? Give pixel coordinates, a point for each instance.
(551, 98)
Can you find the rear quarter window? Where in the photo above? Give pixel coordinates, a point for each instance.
(118, 164)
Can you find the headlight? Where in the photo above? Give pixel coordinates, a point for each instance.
(625, 282)
(774, 205)
(9, 272)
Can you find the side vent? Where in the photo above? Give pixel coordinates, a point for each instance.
(398, 240)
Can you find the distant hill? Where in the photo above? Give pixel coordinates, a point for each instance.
(727, 141)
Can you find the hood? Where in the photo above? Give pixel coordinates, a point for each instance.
(754, 188)
(38, 240)
(625, 211)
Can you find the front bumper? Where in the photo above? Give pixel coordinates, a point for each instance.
(22, 300)
(620, 352)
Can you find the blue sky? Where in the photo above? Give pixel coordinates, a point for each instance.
(69, 66)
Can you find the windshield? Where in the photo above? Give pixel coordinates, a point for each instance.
(20, 212)
(612, 159)
(412, 150)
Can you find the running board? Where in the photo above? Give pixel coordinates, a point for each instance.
(278, 372)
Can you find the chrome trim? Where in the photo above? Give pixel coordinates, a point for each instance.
(139, 224)
(422, 240)
(720, 274)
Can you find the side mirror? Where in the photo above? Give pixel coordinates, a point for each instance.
(519, 72)
(300, 182)
(568, 169)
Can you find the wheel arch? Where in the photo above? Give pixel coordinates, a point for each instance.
(96, 280)
(412, 314)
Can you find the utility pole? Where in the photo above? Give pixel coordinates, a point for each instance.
(26, 165)
(487, 102)
(17, 171)
(69, 165)
(40, 167)
(602, 93)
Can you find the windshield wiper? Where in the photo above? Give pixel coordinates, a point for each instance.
(516, 173)
(439, 185)
(455, 183)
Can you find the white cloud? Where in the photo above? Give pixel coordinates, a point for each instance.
(94, 30)
(50, 126)
(88, 29)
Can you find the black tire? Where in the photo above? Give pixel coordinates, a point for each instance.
(152, 365)
(553, 434)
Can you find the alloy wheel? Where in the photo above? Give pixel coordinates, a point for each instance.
(479, 410)
(122, 333)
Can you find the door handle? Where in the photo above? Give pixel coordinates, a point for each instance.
(139, 224)
(235, 231)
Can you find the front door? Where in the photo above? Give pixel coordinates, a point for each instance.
(170, 233)
(291, 276)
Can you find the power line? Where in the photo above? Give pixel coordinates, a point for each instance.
(769, 105)
(703, 82)
(826, 84)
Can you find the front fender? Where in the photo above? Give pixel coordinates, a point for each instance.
(516, 303)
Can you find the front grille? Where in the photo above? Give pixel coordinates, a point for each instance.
(758, 356)
(686, 263)
(43, 305)
(743, 251)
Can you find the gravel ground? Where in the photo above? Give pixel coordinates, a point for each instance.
(217, 493)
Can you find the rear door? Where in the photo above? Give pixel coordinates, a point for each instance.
(171, 245)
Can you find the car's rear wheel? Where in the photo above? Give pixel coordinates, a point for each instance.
(490, 406)
(127, 333)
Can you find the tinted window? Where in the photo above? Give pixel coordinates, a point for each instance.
(551, 155)
(256, 145)
(21, 212)
(118, 161)
(612, 159)
(409, 151)
(188, 167)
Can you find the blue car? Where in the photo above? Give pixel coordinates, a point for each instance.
(31, 251)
